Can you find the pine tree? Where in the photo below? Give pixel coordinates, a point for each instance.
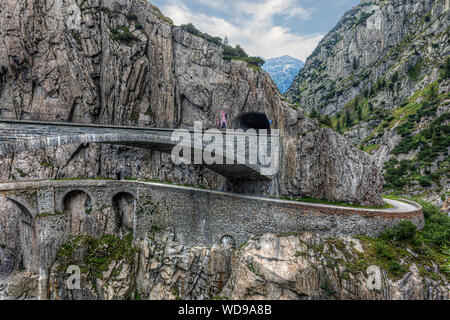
(445, 71)
(359, 113)
(433, 92)
(314, 114)
(348, 119)
(326, 120)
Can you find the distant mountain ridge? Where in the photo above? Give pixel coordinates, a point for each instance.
(283, 71)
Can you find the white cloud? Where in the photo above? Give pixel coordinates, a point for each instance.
(267, 10)
(214, 4)
(252, 26)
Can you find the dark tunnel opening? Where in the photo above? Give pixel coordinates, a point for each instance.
(256, 121)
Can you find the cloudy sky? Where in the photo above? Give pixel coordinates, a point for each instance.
(266, 28)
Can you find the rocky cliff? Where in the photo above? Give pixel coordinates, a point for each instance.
(123, 62)
(373, 42)
(286, 267)
(382, 74)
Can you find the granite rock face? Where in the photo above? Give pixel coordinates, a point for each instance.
(314, 164)
(90, 61)
(306, 266)
(313, 267)
(371, 42)
(123, 62)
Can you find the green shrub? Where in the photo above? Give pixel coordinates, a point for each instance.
(437, 225)
(326, 120)
(215, 40)
(383, 251)
(132, 16)
(414, 71)
(445, 69)
(348, 119)
(314, 114)
(194, 31)
(123, 34)
(191, 29)
(404, 231)
(395, 267)
(425, 182)
(238, 53)
(256, 61)
(432, 93)
(405, 129)
(405, 146)
(395, 77)
(327, 287)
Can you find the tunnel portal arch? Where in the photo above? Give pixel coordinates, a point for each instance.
(254, 120)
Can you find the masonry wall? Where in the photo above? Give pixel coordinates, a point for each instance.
(203, 217)
(200, 217)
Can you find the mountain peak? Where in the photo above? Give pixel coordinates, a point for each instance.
(283, 70)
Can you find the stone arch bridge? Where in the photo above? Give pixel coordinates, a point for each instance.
(23, 135)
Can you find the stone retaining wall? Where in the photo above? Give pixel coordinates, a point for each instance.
(203, 217)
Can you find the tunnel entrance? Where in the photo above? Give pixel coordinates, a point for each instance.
(255, 120)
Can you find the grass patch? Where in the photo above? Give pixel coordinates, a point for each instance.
(49, 214)
(97, 254)
(46, 164)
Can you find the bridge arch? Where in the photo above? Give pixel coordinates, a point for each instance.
(76, 202)
(22, 206)
(124, 204)
(28, 250)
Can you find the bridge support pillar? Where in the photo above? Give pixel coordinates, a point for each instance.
(46, 200)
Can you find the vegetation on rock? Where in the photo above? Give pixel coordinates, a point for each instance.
(96, 254)
(229, 53)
